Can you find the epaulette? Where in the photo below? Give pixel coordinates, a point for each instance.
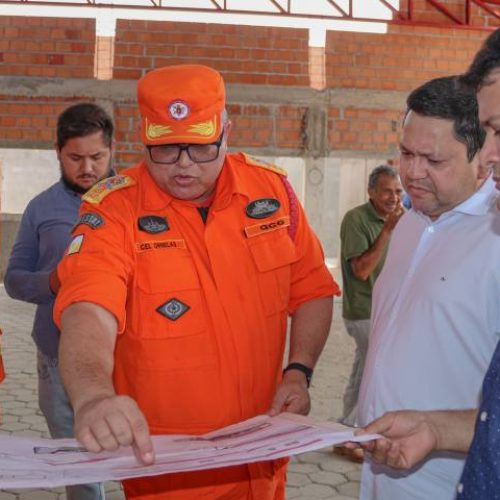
(100, 190)
(251, 160)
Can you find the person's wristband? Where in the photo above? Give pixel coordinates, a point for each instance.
(308, 372)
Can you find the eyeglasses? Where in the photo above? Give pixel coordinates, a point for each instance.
(168, 154)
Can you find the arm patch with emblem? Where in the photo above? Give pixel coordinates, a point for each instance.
(251, 160)
(100, 190)
(91, 219)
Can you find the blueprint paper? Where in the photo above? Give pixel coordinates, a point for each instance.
(46, 463)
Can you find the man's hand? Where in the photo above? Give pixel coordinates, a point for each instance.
(292, 395)
(363, 265)
(393, 218)
(106, 423)
(409, 436)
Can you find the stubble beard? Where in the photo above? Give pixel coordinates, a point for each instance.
(79, 189)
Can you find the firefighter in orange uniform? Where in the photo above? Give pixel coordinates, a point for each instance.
(176, 289)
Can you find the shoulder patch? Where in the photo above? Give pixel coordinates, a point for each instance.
(100, 190)
(91, 219)
(257, 162)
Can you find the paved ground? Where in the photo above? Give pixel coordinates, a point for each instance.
(317, 475)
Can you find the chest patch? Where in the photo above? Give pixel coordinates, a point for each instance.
(152, 224)
(173, 309)
(262, 208)
(91, 219)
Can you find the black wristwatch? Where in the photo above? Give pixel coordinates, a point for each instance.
(308, 372)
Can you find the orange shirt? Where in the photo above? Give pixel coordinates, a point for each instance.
(202, 307)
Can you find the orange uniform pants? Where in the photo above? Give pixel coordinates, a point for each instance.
(260, 481)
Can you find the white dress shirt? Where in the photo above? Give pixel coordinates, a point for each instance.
(434, 326)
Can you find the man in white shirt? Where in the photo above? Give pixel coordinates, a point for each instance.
(435, 320)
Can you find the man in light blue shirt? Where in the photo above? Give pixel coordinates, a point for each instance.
(84, 149)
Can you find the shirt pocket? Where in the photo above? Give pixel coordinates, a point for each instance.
(273, 254)
(167, 298)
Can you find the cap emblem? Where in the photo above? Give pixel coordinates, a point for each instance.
(178, 110)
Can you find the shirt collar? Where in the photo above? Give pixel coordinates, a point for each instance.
(479, 203)
(373, 211)
(154, 197)
(229, 183)
(68, 190)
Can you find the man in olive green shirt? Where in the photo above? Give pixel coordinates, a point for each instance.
(365, 232)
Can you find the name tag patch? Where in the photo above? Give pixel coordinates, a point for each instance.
(76, 244)
(91, 219)
(152, 224)
(145, 246)
(266, 227)
(260, 209)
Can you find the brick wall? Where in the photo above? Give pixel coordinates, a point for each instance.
(363, 129)
(399, 60)
(424, 12)
(243, 54)
(128, 146)
(47, 47)
(255, 126)
(25, 120)
(268, 67)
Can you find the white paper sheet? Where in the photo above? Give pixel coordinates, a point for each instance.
(36, 463)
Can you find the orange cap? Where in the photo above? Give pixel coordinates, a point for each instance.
(181, 104)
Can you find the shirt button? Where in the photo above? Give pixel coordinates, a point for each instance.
(484, 416)
(430, 229)
(460, 488)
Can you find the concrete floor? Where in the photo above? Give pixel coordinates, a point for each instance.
(316, 475)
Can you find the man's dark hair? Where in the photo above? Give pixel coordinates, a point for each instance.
(379, 171)
(448, 98)
(485, 61)
(81, 120)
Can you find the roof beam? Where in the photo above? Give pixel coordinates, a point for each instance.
(284, 8)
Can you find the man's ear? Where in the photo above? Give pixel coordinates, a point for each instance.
(228, 127)
(483, 171)
(58, 151)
